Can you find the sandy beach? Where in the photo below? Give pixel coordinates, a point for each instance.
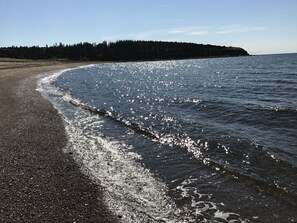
(38, 182)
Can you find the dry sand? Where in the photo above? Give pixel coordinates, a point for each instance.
(38, 182)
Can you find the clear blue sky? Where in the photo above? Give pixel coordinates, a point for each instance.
(259, 26)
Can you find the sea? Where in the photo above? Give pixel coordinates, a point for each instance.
(199, 140)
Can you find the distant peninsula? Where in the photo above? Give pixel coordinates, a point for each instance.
(123, 50)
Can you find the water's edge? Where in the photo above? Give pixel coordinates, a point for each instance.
(135, 195)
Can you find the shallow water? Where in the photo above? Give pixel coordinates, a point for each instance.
(208, 140)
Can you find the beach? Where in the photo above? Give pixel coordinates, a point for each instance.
(38, 181)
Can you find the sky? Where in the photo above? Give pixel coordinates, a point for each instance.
(259, 26)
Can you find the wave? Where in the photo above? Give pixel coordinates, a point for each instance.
(195, 147)
(109, 114)
(175, 214)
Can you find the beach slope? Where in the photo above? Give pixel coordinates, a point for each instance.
(38, 182)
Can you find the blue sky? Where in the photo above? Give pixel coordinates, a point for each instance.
(259, 26)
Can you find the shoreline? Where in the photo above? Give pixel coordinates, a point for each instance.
(38, 181)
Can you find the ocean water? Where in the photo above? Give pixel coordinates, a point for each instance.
(207, 140)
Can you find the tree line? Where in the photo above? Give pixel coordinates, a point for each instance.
(123, 50)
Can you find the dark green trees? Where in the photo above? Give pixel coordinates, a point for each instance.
(123, 50)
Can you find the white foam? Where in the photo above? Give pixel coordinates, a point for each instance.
(203, 206)
(130, 190)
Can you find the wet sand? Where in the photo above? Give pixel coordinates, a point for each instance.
(38, 182)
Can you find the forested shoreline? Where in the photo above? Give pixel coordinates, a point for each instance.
(123, 50)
